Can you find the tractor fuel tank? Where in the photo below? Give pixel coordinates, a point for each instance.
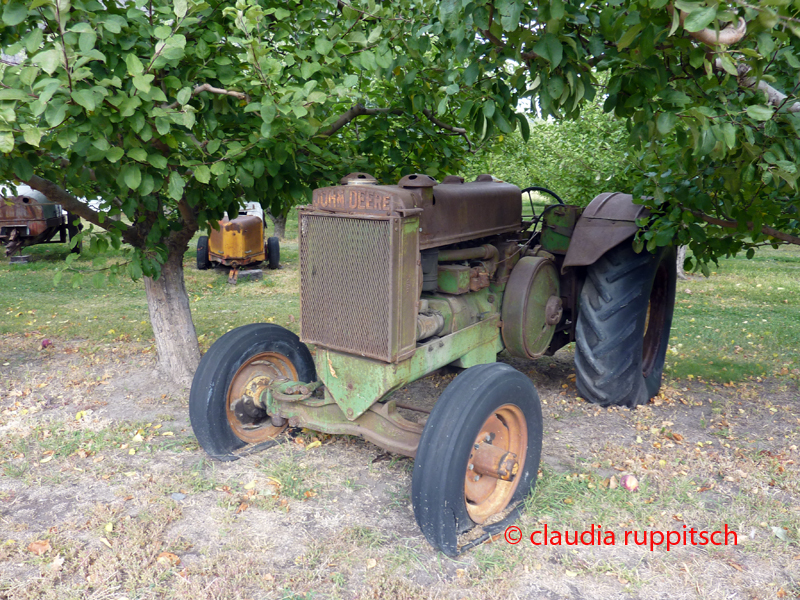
(449, 212)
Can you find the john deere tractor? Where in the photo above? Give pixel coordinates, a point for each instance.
(397, 281)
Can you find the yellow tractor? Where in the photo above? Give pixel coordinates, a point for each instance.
(238, 243)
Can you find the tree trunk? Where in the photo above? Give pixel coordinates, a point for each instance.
(279, 222)
(171, 318)
(681, 258)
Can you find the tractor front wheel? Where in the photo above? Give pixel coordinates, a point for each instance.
(238, 365)
(623, 325)
(478, 456)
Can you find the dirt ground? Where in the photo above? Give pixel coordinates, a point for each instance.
(105, 494)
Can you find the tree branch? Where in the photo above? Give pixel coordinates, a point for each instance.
(214, 90)
(357, 110)
(69, 202)
(774, 97)
(779, 235)
(711, 37)
(456, 130)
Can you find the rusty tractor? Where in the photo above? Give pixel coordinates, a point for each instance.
(238, 242)
(30, 218)
(397, 281)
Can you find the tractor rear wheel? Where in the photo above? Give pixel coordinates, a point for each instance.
(221, 408)
(203, 260)
(478, 456)
(623, 325)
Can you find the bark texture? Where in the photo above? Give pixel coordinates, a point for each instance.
(279, 223)
(681, 257)
(171, 318)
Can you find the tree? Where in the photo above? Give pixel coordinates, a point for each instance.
(174, 112)
(577, 159)
(707, 89)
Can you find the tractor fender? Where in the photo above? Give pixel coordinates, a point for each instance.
(608, 220)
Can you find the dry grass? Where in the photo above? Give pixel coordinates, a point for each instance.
(331, 523)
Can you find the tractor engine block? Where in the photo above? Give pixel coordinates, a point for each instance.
(383, 266)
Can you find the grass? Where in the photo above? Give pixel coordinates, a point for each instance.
(31, 304)
(740, 323)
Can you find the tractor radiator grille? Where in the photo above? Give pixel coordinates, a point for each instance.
(346, 284)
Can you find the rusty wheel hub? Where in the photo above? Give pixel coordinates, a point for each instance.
(246, 416)
(497, 456)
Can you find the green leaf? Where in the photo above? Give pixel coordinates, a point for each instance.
(471, 73)
(524, 127)
(6, 141)
(666, 122)
(176, 185)
(132, 176)
(202, 173)
(510, 11)
(549, 48)
(700, 18)
(759, 112)
(142, 82)
(137, 154)
(322, 45)
(32, 136)
(34, 40)
(184, 95)
(114, 154)
(85, 98)
(728, 65)
(15, 12)
(180, 7)
(12, 94)
(162, 32)
(488, 108)
(157, 160)
(49, 60)
(135, 66)
(629, 35)
(87, 40)
(55, 113)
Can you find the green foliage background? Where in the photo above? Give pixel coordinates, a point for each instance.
(576, 158)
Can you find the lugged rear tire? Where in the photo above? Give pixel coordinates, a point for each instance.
(623, 325)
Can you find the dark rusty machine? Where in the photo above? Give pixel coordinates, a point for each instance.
(30, 218)
(397, 281)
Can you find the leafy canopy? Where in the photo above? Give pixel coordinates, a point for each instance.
(716, 146)
(174, 112)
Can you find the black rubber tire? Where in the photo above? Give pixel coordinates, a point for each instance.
(616, 360)
(438, 484)
(209, 394)
(203, 260)
(273, 253)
